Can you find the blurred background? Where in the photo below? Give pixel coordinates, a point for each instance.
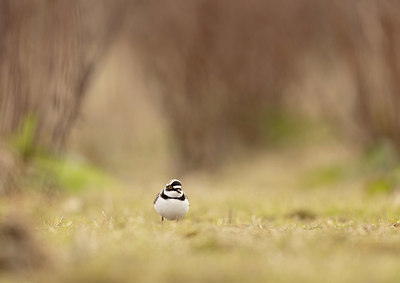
(281, 118)
(142, 88)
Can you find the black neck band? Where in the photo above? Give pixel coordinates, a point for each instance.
(164, 196)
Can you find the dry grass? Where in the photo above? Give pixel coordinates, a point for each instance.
(252, 222)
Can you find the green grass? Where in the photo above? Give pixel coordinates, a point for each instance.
(255, 222)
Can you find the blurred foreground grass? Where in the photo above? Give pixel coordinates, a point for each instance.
(304, 216)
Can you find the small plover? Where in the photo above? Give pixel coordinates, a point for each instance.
(171, 202)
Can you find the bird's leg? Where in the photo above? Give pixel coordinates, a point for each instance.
(162, 220)
(177, 220)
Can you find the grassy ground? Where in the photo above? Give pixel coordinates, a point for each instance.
(289, 216)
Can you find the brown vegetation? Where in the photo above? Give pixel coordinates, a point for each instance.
(49, 51)
(223, 68)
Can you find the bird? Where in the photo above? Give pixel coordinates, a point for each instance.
(171, 202)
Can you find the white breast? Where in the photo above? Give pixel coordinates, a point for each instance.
(171, 209)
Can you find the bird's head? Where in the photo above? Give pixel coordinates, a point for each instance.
(174, 186)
